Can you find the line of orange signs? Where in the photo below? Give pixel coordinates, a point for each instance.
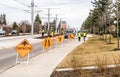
(25, 47)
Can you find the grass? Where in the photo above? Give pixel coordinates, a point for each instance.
(94, 52)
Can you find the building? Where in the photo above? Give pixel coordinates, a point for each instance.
(52, 26)
(63, 25)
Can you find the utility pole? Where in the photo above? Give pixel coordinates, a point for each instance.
(56, 22)
(48, 21)
(56, 25)
(32, 17)
(60, 25)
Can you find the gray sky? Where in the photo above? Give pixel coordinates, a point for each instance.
(72, 11)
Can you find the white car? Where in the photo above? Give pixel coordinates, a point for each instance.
(2, 32)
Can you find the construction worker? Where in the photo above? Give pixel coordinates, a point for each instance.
(52, 33)
(62, 32)
(43, 31)
(79, 36)
(84, 35)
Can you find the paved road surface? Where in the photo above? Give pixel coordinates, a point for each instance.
(8, 42)
(44, 64)
(8, 56)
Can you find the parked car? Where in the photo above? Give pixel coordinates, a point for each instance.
(15, 32)
(2, 32)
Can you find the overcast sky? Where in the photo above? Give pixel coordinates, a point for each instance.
(72, 11)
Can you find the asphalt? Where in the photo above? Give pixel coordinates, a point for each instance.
(44, 64)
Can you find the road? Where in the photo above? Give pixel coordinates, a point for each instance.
(7, 42)
(8, 53)
(8, 56)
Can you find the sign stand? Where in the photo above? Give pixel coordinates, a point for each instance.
(50, 48)
(16, 58)
(62, 43)
(43, 49)
(28, 58)
(23, 49)
(56, 44)
(30, 53)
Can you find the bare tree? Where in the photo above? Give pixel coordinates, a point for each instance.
(8, 29)
(25, 27)
(37, 27)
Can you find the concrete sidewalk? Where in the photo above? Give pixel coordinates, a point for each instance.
(44, 64)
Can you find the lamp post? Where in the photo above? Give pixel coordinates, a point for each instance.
(32, 17)
(117, 23)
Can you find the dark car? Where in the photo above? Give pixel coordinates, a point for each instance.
(15, 32)
(68, 32)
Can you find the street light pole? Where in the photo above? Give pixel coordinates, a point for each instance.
(118, 46)
(118, 27)
(48, 21)
(32, 17)
(60, 25)
(56, 24)
(117, 22)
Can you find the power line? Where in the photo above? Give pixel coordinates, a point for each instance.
(19, 9)
(49, 16)
(14, 8)
(29, 11)
(22, 3)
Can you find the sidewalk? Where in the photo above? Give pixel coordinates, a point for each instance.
(44, 64)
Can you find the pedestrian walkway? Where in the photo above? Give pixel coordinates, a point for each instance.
(44, 64)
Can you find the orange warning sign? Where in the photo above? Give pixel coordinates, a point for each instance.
(47, 43)
(59, 39)
(23, 48)
(71, 36)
